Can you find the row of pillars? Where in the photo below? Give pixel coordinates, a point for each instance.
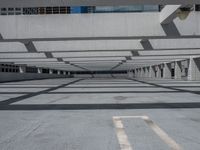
(190, 69)
(22, 69)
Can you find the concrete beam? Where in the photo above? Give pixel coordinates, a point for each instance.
(168, 13)
(94, 27)
(146, 44)
(30, 46)
(42, 3)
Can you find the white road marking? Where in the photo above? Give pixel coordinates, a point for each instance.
(123, 138)
(121, 134)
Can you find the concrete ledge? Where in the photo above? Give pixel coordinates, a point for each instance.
(7, 77)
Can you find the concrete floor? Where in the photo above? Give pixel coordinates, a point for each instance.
(73, 114)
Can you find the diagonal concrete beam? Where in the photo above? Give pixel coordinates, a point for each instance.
(169, 13)
(77, 66)
(59, 59)
(118, 65)
(30, 46)
(171, 30)
(48, 55)
(146, 44)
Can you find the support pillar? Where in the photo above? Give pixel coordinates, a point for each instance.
(158, 71)
(194, 69)
(39, 70)
(143, 72)
(50, 71)
(177, 70)
(22, 68)
(146, 72)
(137, 72)
(167, 73)
(152, 72)
(130, 73)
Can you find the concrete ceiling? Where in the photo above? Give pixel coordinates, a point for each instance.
(116, 41)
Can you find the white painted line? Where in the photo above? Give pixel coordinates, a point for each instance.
(123, 138)
(163, 135)
(121, 134)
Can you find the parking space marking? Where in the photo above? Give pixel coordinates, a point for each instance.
(121, 134)
(123, 138)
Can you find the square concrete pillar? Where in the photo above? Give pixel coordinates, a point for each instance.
(167, 71)
(130, 73)
(146, 72)
(143, 72)
(39, 70)
(134, 71)
(138, 72)
(158, 71)
(152, 72)
(50, 71)
(22, 69)
(58, 72)
(194, 69)
(177, 70)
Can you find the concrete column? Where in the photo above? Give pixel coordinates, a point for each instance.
(39, 70)
(178, 70)
(50, 71)
(64, 72)
(22, 68)
(68, 73)
(58, 72)
(147, 72)
(130, 74)
(134, 73)
(137, 72)
(158, 73)
(152, 72)
(194, 69)
(144, 72)
(167, 72)
(141, 73)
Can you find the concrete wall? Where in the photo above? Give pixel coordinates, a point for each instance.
(92, 25)
(6, 77)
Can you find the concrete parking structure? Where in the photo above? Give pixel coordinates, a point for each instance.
(99, 75)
